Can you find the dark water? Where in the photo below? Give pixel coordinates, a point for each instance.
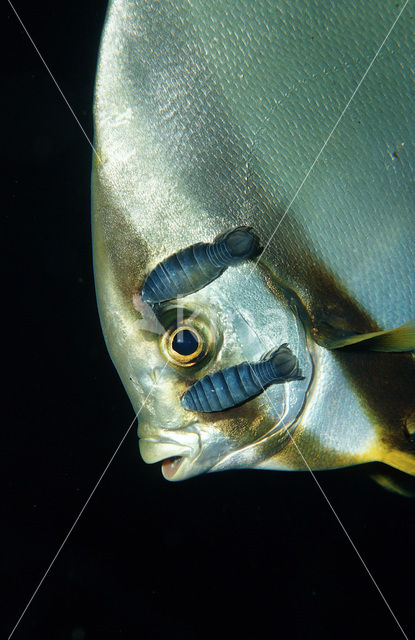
(238, 554)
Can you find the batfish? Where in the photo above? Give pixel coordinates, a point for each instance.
(254, 231)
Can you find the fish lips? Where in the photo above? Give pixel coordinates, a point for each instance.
(174, 447)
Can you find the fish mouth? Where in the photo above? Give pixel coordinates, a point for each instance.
(171, 448)
(170, 466)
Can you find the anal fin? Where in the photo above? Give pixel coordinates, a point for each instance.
(394, 481)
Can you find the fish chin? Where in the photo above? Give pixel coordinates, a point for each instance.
(170, 466)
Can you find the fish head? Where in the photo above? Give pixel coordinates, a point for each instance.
(141, 340)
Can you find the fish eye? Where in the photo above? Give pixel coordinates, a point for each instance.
(188, 340)
(185, 344)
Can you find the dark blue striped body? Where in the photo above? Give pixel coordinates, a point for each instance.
(194, 267)
(235, 385)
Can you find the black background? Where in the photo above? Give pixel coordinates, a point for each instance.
(237, 554)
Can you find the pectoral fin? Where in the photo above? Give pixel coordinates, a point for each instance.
(395, 340)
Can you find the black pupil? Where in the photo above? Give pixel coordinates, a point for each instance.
(185, 342)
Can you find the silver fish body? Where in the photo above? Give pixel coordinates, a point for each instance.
(210, 116)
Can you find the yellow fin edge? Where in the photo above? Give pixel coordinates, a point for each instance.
(393, 483)
(395, 340)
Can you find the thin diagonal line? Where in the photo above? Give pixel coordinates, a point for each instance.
(337, 516)
(328, 138)
(255, 265)
(288, 431)
(55, 82)
(145, 400)
(83, 508)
